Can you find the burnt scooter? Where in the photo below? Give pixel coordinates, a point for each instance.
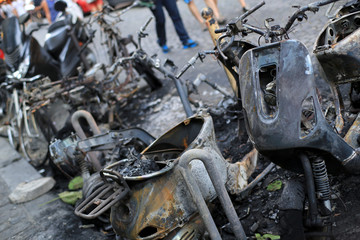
(61, 54)
(285, 121)
(283, 116)
(338, 52)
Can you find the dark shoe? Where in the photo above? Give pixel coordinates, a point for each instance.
(165, 48)
(221, 20)
(245, 9)
(190, 44)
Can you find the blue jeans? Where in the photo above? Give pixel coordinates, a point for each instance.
(174, 14)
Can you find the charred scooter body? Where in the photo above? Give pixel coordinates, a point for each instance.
(338, 51)
(287, 125)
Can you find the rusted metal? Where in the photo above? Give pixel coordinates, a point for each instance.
(352, 136)
(337, 49)
(208, 15)
(161, 204)
(80, 132)
(338, 103)
(277, 131)
(104, 197)
(207, 157)
(109, 140)
(192, 230)
(63, 158)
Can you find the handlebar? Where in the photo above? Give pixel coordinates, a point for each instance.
(142, 29)
(314, 7)
(200, 55)
(238, 25)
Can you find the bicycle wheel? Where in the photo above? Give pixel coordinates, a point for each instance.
(33, 143)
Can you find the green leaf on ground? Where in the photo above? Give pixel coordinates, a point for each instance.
(76, 183)
(70, 197)
(275, 185)
(266, 236)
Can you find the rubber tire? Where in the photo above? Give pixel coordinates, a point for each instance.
(35, 149)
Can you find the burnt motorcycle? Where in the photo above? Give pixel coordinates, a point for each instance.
(62, 53)
(163, 191)
(337, 50)
(283, 116)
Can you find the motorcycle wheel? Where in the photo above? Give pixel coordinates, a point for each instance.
(148, 74)
(34, 146)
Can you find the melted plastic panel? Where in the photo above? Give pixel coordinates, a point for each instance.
(179, 138)
(279, 136)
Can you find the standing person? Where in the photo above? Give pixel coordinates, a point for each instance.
(51, 6)
(171, 7)
(19, 7)
(48, 7)
(8, 9)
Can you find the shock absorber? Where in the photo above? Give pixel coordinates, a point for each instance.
(322, 183)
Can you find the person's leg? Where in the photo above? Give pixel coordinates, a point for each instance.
(211, 4)
(174, 14)
(45, 7)
(243, 4)
(195, 11)
(160, 22)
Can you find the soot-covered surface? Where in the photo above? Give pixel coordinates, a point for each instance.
(259, 212)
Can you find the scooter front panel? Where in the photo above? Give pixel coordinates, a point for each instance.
(282, 108)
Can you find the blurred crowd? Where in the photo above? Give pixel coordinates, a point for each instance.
(45, 8)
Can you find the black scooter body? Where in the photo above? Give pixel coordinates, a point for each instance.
(58, 58)
(12, 42)
(41, 62)
(61, 47)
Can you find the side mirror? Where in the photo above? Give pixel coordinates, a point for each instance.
(60, 6)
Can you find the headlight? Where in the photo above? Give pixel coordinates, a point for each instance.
(24, 66)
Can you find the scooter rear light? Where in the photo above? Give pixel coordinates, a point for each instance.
(81, 43)
(2, 55)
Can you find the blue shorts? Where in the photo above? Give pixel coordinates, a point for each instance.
(187, 1)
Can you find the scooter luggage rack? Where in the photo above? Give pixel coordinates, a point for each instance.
(100, 201)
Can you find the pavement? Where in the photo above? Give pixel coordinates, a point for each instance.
(38, 219)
